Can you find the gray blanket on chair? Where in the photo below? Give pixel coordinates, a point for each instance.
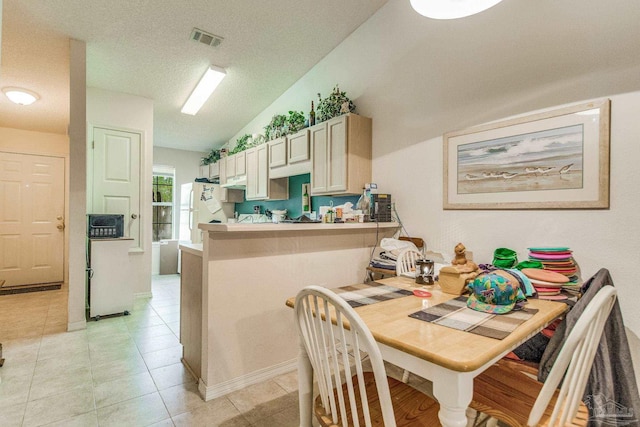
(612, 393)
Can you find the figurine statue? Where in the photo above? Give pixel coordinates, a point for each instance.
(460, 261)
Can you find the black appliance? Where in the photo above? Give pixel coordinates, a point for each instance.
(381, 208)
(105, 226)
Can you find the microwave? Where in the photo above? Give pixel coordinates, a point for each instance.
(105, 226)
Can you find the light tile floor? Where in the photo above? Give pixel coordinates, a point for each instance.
(121, 371)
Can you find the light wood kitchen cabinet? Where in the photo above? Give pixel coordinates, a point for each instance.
(230, 167)
(259, 184)
(257, 173)
(289, 156)
(235, 166)
(340, 155)
(223, 170)
(214, 169)
(228, 194)
(298, 147)
(241, 163)
(277, 153)
(211, 170)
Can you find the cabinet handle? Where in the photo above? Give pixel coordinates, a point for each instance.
(134, 216)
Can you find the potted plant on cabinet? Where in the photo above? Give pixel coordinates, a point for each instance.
(335, 104)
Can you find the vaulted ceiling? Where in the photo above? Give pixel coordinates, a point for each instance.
(143, 47)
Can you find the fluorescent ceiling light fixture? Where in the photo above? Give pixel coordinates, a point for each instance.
(451, 9)
(20, 96)
(203, 90)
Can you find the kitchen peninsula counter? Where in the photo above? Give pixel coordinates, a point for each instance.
(288, 226)
(235, 327)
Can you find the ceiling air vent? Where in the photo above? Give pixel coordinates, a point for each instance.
(209, 39)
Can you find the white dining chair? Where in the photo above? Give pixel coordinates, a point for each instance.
(510, 396)
(406, 262)
(349, 396)
(406, 266)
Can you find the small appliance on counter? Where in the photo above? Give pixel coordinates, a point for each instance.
(381, 208)
(105, 226)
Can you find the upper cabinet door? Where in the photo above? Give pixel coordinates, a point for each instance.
(337, 154)
(277, 153)
(319, 158)
(341, 155)
(241, 163)
(298, 147)
(251, 192)
(257, 173)
(214, 170)
(230, 166)
(262, 172)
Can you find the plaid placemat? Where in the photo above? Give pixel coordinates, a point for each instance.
(369, 293)
(455, 314)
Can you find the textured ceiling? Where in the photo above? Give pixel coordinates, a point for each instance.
(142, 47)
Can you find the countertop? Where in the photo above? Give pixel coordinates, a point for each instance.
(192, 248)
(267, 226)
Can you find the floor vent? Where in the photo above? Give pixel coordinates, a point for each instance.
(209, 39)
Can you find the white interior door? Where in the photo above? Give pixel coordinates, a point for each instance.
(116, 177)
(31, 219)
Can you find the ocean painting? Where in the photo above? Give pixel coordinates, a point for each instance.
(545, 160)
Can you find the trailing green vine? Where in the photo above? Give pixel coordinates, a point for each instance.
(212, 157)
(275, 127)
(335, 104)
(242, 144)
(295, 122)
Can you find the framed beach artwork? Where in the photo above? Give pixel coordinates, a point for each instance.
(553, 160)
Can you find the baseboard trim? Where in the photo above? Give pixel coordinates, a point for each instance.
(76, 326)
(217, 390)
(143, 295)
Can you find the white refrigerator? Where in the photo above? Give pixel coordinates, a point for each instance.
(200, 202)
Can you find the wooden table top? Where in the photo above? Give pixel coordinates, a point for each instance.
(390, 324)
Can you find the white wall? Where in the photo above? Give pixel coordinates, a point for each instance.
(129, 112)
(77, 228)
(419, 78)
(599, 238)
(186, 164)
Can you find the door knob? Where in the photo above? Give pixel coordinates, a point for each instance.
(60, 226)
(134, 216)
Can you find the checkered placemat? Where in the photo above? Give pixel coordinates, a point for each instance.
(455, 314)
(369, 293)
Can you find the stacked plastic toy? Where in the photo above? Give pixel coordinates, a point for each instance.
(556, 259)
(559, 271)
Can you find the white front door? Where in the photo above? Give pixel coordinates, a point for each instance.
(116, 177)
(31, 219)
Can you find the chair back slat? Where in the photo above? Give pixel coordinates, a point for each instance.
(335, 339)
(574, 362)
(406, 261)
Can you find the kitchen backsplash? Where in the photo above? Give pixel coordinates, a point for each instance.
(294, 204)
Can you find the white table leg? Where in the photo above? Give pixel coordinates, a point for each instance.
(305, 386)
(454, 391)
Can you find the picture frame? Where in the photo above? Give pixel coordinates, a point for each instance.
(557, 159)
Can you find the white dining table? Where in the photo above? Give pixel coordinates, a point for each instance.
(449, 358)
